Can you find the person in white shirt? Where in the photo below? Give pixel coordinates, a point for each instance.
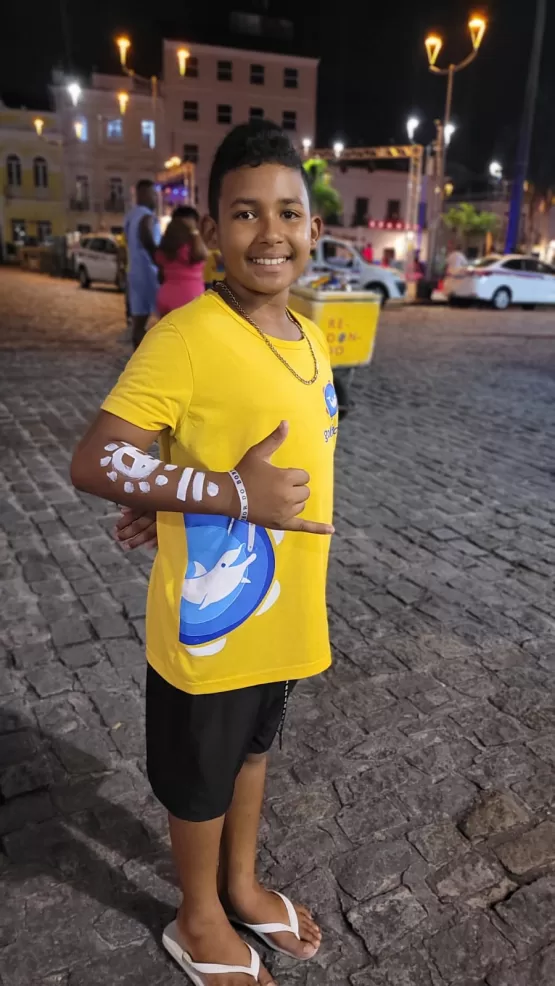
(455, 260)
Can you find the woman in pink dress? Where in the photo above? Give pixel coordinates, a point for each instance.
(181, 257)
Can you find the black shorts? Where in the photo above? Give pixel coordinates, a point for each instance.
(197, 744)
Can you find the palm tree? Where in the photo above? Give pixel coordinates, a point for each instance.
(469, 223)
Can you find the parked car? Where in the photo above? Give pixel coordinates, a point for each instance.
(341, 256)
(100, 257)
(503, 281)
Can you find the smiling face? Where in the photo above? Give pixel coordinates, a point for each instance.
(264, 228)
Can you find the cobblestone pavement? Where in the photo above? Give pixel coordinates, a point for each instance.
(412, 804)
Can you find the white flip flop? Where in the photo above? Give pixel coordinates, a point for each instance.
(262, 931)
(196, 970)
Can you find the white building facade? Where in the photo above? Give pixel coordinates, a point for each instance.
(112, 137)
(226, 86)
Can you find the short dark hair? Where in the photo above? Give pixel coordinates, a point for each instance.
(143, 184)
(185, 212)
(250, 145)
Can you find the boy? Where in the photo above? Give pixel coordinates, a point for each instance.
(238, 390)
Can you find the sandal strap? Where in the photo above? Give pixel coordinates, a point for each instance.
(272, 929)
(215, 969)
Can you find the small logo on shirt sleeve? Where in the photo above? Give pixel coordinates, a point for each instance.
(330, 398)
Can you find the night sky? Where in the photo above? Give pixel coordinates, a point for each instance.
(373, 73)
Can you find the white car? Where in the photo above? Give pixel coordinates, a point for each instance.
(503, 281)
(343, 257)
(99, 258)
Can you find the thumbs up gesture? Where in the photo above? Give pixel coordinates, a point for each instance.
(276, 497)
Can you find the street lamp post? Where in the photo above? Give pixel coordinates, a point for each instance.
(434, 44)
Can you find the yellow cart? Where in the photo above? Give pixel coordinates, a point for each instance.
(349, 323)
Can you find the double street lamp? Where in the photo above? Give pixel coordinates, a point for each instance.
(477, 27)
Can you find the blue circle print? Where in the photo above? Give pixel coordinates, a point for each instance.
(330, 398)
(230, 568)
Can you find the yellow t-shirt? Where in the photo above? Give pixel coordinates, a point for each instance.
(214, 267)
(230, 604)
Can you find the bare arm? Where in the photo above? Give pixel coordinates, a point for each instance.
(146, 226)
(112, 462)
(199, 251)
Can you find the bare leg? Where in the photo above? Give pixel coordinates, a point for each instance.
(205, 931)
(244, 894)
(138, 328)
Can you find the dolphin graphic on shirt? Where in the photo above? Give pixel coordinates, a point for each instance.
(205, 588)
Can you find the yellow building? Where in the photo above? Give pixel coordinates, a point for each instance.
(32, 204)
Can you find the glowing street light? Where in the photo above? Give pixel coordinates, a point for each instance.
(477, 27)
(496, 170)
(412, 126)
(182, 56)
(124, 45)
(123, 99)
(338, 148)
(307, 144)
(39, 126)
(433, 44)
(75, 92)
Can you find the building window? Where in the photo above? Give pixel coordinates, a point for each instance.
(14, 170)
(289, 120)
(360, 215)
(40, 173)
(19, 231)
(81, 128)
(256, 113)
(393, 213)
(190, 110)
(114, 129)
(115, 200)
(191, 67)
(225, 113)
(257, 75)
(291, 78)
(190, 153)
(148, 133)
(44, 230)
(225, 71)
(81, 200)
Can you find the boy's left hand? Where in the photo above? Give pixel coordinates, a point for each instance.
(136, 529)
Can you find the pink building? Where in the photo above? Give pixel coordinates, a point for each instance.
(226, 86)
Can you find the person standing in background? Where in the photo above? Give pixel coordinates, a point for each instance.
(142, 235)
(180, 257)
(214, 269)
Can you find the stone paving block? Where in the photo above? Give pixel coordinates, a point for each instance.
(438, 842)
(373, 869)
(539, 971)
(529, 913)
(70, 631)
(50, 680)
(529, 851)
(386, 919)
(466, 876)
(17, 812)
(468, 951)
(495, 813)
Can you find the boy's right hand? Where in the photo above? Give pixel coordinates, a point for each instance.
(276, 496)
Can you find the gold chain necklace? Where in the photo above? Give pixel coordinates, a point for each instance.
(222, 285)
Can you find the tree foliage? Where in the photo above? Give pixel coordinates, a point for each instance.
(326, 199)
(466, 220)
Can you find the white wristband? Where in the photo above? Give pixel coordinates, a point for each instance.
(243, 498)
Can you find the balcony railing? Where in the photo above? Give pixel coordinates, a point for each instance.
(79, 205)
